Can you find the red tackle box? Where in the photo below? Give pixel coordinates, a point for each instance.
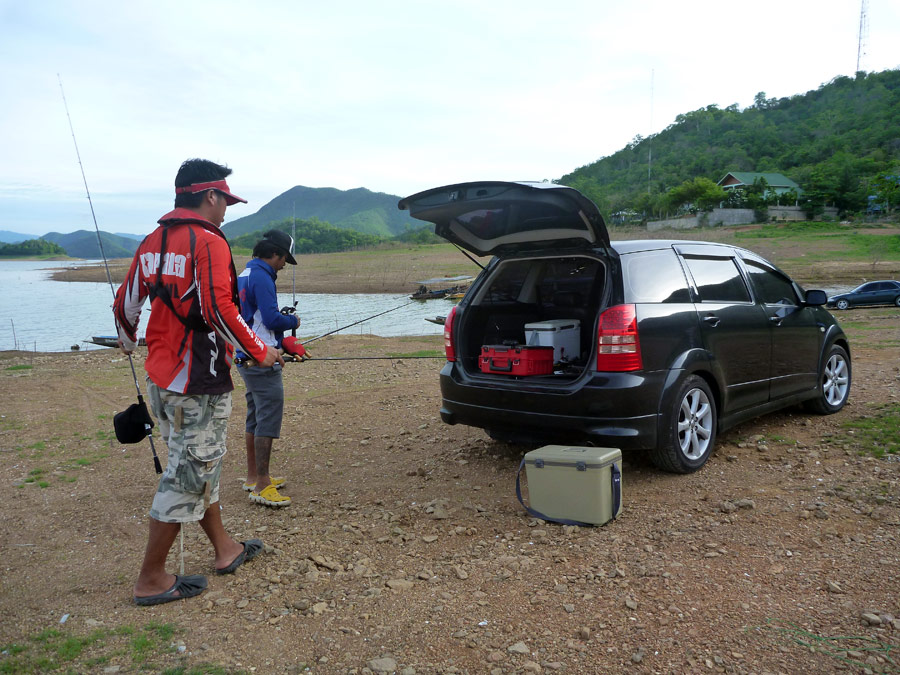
(516, 360)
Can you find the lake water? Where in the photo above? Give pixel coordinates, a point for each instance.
(51, 316)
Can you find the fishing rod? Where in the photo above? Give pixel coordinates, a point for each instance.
(374, 358)
(245, 360)
(350, 325)
(288, 357)
(294, 267)
(148, 423)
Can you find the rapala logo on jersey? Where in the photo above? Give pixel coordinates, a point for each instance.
(174, 265)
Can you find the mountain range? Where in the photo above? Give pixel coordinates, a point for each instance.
(83, 243)
(358, 209)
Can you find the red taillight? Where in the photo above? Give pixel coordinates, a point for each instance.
(618, 345)
(449, 348)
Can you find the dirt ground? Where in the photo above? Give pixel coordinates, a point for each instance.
(405, 549)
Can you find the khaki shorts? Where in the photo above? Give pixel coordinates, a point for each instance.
(193, 427)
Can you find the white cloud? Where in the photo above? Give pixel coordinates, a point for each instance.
(395, 96)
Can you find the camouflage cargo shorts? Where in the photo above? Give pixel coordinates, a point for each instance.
(194, 428)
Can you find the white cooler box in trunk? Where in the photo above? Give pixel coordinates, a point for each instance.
(564, 335)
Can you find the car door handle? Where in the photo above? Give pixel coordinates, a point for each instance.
(712, 320)
(775, 319)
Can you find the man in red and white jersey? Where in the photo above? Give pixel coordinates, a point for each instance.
(185, 268)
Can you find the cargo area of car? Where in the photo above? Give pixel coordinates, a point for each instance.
(529, 303)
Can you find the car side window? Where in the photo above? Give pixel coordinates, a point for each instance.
(654, 276)
(771, 287)
(718, 279)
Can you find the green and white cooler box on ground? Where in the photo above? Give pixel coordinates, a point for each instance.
(572, 484)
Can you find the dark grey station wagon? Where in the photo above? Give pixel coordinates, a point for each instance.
(673, 341)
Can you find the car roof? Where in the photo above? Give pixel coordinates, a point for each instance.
(634, 245)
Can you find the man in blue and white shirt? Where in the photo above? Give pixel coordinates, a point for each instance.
(265, 389)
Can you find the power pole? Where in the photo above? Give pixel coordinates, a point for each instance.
(650, 134)
(863, 34)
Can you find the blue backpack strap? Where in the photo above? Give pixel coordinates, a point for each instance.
(538, 514)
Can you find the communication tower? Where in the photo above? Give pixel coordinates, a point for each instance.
(863, 34)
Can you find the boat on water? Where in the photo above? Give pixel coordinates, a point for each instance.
(424, 294)
(456, 289)
(112, 341)
(439, 320)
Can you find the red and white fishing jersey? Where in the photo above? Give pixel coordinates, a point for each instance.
(195, 323)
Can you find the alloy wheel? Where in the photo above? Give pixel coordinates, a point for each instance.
(695, 420)
(836, 380)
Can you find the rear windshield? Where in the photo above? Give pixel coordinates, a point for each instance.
(490, 224)
(654, 276)
(551, 282)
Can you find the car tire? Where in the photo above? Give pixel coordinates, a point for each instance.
(842, 304)
(688, 431)
(897, 301)
(834, 383)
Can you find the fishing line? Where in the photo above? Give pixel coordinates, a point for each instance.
(140, 397)
(366, 358)
(350, 325)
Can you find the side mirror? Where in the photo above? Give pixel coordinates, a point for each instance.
(816, 298)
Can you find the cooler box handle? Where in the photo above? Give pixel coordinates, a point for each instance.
(615, 479)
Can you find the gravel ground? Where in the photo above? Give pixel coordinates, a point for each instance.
(406, 551)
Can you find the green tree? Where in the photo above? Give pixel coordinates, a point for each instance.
(31, 247)
(696, 194)
(885, 187)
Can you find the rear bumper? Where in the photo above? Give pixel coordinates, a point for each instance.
(618, 410)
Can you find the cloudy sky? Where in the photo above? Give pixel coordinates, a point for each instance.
(395, 96)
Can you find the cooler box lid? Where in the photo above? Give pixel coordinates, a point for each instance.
(554, 325)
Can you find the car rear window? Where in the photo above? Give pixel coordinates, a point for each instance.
(718, 279)
(550, 282)
(654, 276)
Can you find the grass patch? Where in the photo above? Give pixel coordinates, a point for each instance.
(877, 434)
(859, 325)
(22, 367)
(850, 650)
(828, 241)
(149, 649)
(34, 475)
(799, 230)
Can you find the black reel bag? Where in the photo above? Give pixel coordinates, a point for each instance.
(133, 424)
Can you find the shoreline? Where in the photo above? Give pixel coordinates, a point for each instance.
(365, 271)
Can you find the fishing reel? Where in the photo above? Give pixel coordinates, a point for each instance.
(293, 347)
(287, 309)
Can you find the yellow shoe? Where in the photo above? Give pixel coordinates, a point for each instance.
(270, 497)
(277, 482)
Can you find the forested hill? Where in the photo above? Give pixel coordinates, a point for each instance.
(83, 244)
(358, 209)
(832, 141)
